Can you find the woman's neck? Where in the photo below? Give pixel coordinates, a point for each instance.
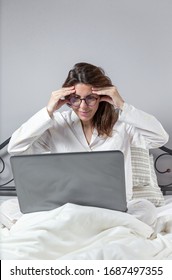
(87, 125)
(88, 131)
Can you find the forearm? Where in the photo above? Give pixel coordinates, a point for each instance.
(23, 138)
(145, 124)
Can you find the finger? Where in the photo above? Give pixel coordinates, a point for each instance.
(62, 93)
(102, 88)
(106, 99)
(64, 101)
(68, 91)
(99, 92)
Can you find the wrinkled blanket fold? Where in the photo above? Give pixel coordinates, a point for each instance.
(81, 232)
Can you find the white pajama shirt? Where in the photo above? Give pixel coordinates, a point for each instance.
(63, 133)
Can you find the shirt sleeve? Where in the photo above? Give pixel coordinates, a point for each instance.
(25, 137)
(143, 125)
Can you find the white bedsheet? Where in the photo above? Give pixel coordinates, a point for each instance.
(80, 232)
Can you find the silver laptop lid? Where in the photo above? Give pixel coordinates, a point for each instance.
(46, 181)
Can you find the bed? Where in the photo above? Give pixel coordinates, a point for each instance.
(74, 232)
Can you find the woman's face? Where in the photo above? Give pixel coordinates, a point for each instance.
(84, 111)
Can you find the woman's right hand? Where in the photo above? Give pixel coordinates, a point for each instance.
(57, 99)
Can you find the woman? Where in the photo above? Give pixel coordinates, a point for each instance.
(99, 119)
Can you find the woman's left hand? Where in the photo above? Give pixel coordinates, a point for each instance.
(111, 95)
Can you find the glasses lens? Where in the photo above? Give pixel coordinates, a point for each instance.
(74, 100)
(91, 100)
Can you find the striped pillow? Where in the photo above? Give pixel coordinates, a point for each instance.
(140, 167)
(145, 183)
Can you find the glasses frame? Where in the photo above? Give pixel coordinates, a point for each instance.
(85, 99)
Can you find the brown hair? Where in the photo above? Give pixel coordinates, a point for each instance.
(105, 116)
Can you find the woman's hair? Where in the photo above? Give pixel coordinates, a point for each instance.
(105, 116)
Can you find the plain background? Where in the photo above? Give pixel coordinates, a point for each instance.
(41, 40)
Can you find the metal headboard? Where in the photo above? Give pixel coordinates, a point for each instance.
(4, 189)
(164, 188)
(167, 151)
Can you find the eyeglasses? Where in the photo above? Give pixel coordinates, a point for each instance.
(75, 100)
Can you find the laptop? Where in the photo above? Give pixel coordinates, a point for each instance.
(47, 181)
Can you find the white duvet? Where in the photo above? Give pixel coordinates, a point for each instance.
(89, 233)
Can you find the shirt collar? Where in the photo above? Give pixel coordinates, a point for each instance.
(77, 126)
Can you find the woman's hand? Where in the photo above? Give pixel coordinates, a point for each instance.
(57, 99)
(111, 95)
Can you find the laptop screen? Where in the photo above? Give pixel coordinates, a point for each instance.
(46, 181)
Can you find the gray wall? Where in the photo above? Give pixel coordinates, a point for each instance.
(42, 39)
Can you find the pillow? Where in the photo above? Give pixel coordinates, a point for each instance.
(140, 166)
(145, 183)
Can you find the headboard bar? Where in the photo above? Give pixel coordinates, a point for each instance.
(167, 187)
(164, 188)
